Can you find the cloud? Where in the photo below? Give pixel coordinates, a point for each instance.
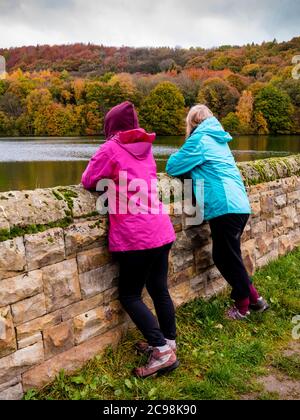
(147, 23)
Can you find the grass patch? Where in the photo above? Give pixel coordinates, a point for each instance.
(290, 366)
(219, 359)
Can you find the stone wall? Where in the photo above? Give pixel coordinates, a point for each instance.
(58, 295)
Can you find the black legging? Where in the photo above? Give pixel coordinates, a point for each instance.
(226, 235)
(148, 268)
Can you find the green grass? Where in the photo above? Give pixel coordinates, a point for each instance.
(289, 366)
(219, 359)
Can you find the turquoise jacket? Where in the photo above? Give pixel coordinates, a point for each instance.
(206, 156)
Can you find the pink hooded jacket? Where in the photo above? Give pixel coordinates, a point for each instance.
(129, 149)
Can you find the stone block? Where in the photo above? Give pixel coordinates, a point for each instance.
(20, 361)
(83, 201)
(72, 359)
(85, 234)
(203, 258)
(97, 321)
(97, 281)
(264, 244)
(61, 284)
(44, 248)
(258, 229)
(289, 215)
(249, 255)
(280, 201)
(58, 339)
(21, 287)
(29, 309)
(182, 276)
(267, 204)
(14, 381)
(81, 307)
(198, 283)
(12, 393)
(110, 295)
(92, 259)
(180, 260)
(266, 259)
(216, 288)
(285, 245)
(29, 341)
(37, 207)
(181, 293)
(7, 332)
(12, 258)
(29, 329)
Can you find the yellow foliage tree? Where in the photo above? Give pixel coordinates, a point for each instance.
(244, 112)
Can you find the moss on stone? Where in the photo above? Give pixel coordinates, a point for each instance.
(17, 231)
(88, 215)
(267, 170)
(57, 195)
(68, 196)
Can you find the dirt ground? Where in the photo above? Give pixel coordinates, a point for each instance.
(278, 384)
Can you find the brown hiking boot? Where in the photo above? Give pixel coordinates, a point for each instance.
(159, 363)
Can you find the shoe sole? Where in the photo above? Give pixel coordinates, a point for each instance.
(246, 318)
(169, 369)
(262, 310)
(161, 372)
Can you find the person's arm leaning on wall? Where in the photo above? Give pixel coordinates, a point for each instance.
(99, 167)
(188, 157)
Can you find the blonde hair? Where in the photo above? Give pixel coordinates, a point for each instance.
(196, 116)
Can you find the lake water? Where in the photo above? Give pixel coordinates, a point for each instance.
(47, 162)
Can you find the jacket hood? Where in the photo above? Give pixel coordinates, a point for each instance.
(214, 129)
(122, 117)
(136, 142)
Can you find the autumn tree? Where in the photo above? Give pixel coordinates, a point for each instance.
(93, 119)
(3, 86)
(260, 123)
(276, 107)
(188, 87)
(5, 124)
(231, 123)
(56, 120)
(244, 112)
(239, 82)
(163, 110)
(78, 89)
(251, 70)
(35, 104)
(219, 96)
(11, 104)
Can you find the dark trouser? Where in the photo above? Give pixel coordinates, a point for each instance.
(148, 268)
(226, 234)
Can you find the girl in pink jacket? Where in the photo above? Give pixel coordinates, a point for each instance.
(140, 241)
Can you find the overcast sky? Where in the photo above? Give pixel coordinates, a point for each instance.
(147, 22)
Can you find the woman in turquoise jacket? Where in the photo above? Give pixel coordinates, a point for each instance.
(206, 156)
